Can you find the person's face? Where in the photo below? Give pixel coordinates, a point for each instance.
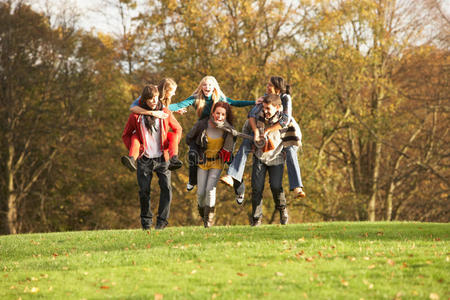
(270, 88)
(171, 92)
(219, 114)
(269, 110)
(153, 102)
(207, 88)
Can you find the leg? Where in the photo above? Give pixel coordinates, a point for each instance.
(276, 181)
(165, 196)
(174, 162)
(258, 178)
(144, 177)
(237, 167)
(202, 177)
(193, 165)
(129, 160)
(134, 147)
(213, 178)
(293, 168)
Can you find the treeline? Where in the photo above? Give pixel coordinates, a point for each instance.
(370, 88)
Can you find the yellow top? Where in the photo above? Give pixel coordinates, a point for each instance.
(212, 150)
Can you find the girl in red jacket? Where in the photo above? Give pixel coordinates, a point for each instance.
(152, 134)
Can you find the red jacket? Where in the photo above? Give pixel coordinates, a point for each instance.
(133, 126)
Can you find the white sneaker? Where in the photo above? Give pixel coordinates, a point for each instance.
(189, 187)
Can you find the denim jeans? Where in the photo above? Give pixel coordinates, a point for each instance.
(275, 181)
(206, 186)
(145, 168)
(293, 168)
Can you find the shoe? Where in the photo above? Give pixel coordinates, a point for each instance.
(227, 179)
(189, 187)
(240, 199)
(129, 162)
(160, 226)
(284, 217)
(299, 193)
(174, 163)
(256, 222)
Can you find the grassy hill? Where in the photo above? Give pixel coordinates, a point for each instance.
(300, 261)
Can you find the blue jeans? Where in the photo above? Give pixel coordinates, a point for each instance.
(237, 167)
(145, 168)
(293, 168)
(275, 181)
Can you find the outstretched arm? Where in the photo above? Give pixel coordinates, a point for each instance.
(183, 104)
(135, 108)
(239, 103)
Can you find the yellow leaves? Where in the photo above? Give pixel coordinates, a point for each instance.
(344, 282)
(158, 296)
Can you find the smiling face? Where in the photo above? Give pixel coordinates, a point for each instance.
(269, 110)
(171, 92)
(270, 88)
(153, 102)
(207, 87)
(219, 115)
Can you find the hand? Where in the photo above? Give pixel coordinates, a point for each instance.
(181, 111)
(259, 100)
(257, 138)
(159, 114)
(225, 155)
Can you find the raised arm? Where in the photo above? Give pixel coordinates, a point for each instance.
(239, 103)
(180, 105)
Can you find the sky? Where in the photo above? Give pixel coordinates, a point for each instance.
(102, 16)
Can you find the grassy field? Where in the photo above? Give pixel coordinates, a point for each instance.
(299, 261)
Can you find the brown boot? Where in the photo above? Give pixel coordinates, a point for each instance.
(283, 215)
(208, 219)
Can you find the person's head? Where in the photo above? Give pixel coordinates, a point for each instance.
(167, 88)
(149, 96)
(277, 85)
(271, 105)
(221, 112)
(208, 87)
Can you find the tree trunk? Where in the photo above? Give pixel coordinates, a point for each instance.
(376, 174)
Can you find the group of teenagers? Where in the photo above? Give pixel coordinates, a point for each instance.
(152, 135)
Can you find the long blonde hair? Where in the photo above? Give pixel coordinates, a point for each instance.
(200, 101)
(164, 87)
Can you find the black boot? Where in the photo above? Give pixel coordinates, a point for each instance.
(129, 162)
(174, 163)
(201, 211)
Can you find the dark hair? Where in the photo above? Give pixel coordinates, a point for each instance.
(230, 117)
(279, 84)
(272, 99)
(149, 92)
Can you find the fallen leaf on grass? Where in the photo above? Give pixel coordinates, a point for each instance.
(104, 287)
(159, 296)
(344, 282)
(241, 274)
(391, 262)
(434, 296)
(371, 267)
(279, 274)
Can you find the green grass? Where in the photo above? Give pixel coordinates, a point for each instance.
(301, 261)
